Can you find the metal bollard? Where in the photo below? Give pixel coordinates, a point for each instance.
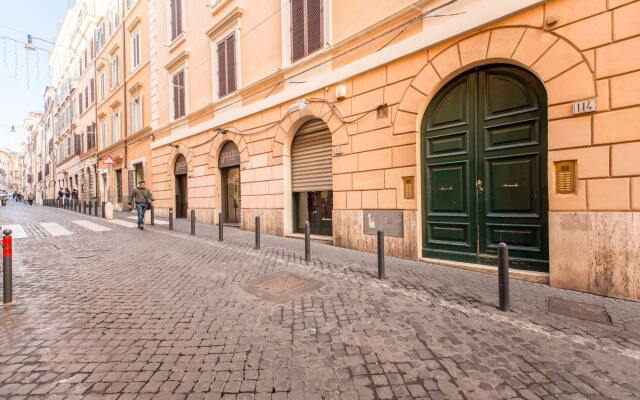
(90, 206)
(257, 232)
(104, 214)
(307, 241)
(220, 228)
(170, 218)
(381, 271)
(153, 216)
(503, 276)
(193, 222)
(84, 207)
(95, 210)
(7, 278)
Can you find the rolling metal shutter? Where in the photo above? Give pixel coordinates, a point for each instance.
(311, 158)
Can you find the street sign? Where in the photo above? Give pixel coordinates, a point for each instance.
(108, 160)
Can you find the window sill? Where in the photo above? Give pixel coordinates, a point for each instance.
(175, 43)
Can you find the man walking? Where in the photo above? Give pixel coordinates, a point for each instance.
(30, 198)
(142, 198)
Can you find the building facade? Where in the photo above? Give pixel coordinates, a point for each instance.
(452, 126)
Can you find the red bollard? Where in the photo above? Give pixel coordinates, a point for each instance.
(7, 281)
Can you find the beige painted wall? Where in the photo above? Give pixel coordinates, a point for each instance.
(577, 52)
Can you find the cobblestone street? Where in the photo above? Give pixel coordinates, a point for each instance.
(106, 311)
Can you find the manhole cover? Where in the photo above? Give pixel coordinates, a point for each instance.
(574, 309)
(281, 287)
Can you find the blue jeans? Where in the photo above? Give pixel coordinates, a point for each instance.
(141, 208)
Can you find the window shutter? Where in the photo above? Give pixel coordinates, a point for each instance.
(231, 64)
(222, 70)
(182, 92)
(297, 30)
(176, 96)
(176, 18)
(314, 26)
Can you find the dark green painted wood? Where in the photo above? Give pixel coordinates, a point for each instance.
(484, 163)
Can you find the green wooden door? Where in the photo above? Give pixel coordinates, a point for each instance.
(484, 146)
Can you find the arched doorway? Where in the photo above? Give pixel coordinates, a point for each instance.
(312, 178)
(180, 171)
(229, 164)
(484, 168)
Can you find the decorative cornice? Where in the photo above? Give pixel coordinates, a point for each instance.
(179, 59)
(224, 22)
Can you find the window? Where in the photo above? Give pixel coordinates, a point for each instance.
(176, 18)
(130, 3)
(119, 186)
(226, 66)
(91, 136)
(92, 88)
(103, 134)
(114, 19)
(306, 28)
(80, 103)
(100, 37)
(136, 115)
(115, 127)
(86, 97)
(135, 49)
(103, 93)
(114, 72)
(178, 94)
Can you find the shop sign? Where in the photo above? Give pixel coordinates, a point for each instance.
(390, 221)
(229, 156)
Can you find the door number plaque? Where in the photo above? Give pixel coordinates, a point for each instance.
(584, 106)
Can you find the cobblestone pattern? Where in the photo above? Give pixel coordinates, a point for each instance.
(126, 314)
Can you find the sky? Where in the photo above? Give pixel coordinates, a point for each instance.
(23, 93)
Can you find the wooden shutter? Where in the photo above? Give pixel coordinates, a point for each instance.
(92, 87)
(297, 30)
(314, 26)
(222, 70)
(131, 181)
(311, 158)
(231, 64)
(182, 92)
(176, 95)
(176, 18)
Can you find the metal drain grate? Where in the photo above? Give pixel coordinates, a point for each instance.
(281, 287)
(283, 284)
(574, 309)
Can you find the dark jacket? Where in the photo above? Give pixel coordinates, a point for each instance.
(140, 196)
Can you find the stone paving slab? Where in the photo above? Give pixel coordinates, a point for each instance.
(129, 314)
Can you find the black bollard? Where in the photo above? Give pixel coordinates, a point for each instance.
(7, 278)
(84, 207)
(193, 222)
(170, 218)
(153, 216)
(90, 206)
(381, 271)
(503, 276)
(257, 232)
(95, 210)
(220, 228)
(104, 214)
(307, 241)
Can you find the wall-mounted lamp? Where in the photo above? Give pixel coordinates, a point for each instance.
(30, 46)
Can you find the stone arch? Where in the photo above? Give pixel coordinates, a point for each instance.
(219, 141)
(564, 71)
(180, 149)
(317, 109)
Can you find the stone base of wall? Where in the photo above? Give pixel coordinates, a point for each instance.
(203, 215)
(596, 252)
(271, 222)
(348, 232)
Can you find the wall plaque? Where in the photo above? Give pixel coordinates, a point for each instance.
(391, 222)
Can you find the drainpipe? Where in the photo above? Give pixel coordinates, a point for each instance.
(125, 110)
